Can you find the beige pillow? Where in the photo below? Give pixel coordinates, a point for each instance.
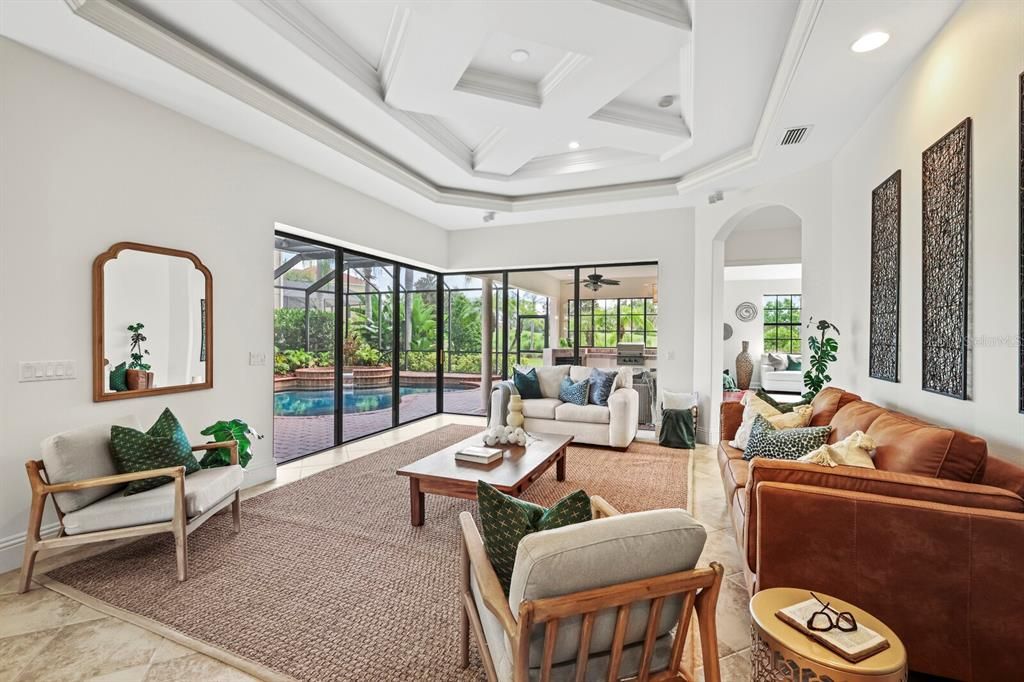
(753, 406)
(855, 450)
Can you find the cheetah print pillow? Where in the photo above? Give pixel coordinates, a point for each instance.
(771, 443)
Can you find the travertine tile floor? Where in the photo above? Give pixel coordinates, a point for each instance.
(46, 636)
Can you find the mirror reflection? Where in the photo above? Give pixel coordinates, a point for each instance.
(154, 322)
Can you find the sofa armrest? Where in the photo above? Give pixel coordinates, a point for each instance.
(935, 573)
(600, 509)
(730, 417)
(475, 562)
(873, 481)
(116, 479)
(497, 406)
(231, 445)
(623, 418)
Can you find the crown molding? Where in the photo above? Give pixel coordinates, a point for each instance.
(630, 115)
(496, 86)
(671, 12)
(394, 44)
(130, 25)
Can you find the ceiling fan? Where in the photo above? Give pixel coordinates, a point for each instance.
(595, 281)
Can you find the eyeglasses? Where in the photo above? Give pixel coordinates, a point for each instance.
(823, 620)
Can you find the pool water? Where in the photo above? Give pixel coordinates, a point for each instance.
(321, 402)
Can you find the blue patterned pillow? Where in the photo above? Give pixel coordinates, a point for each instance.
(601, 383)
(771, 443)
(527, 384)
(573, 393)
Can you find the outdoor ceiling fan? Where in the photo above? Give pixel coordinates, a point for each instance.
(595, 281)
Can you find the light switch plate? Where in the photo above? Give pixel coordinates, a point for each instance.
(46, 370)
(257, 358)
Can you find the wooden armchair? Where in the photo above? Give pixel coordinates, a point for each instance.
(91, 509)
(628, 628)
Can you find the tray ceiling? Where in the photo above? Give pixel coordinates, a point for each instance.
(435, 100)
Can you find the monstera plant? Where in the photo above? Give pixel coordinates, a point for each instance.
(236, 430)
(823, 352)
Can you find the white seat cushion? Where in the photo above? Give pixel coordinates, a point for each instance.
(80, 454)
(540, 408)
(589, 414)
(203, 491)
(599, 553)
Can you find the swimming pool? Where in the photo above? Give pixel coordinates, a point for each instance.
(314, 403)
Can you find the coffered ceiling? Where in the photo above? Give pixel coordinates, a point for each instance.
(533, 109)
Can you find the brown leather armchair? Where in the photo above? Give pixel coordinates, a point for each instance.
(931, 542)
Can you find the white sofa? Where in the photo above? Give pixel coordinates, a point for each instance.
(614, 425)
(781, 380)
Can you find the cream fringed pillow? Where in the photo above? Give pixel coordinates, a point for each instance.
(754, 406)
(855, 451)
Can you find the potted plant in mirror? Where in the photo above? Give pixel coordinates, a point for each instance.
(138, 376)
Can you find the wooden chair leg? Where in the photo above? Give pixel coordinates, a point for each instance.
(179, 522)
(464, 591)
(35, 522)
(236, 511)
(707, 602)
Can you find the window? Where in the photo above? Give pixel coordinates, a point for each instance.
(782, 323)
(606, 322)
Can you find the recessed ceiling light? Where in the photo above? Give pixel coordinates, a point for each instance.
(574, 145)
(870, 41)
(519, 56)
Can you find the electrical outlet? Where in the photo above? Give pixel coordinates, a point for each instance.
(257, 358)
(46, 370)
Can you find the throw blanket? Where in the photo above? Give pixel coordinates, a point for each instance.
(677, 429)
(504, 388)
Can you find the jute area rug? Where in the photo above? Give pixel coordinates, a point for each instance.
(329, 581)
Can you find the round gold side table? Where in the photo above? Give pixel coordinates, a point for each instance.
(782, 654)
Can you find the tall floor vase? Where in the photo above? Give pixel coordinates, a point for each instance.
(744, 367)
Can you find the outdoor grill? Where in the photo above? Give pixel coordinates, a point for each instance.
(630, 354)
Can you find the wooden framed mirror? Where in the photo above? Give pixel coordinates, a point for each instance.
(170, 294)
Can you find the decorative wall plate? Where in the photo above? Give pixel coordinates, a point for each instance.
(727, 331)
(746, 312)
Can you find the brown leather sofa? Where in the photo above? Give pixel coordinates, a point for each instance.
(931, 542)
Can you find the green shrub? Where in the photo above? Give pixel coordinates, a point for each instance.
(290, 329)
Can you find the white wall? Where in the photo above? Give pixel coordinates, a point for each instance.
(662, 236)
(970, 69)
(753, 290)
(808, 195)
(85, 164)
(758, 247)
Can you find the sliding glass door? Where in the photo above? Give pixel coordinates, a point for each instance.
(305, 333)
(417, 344)
(473, 340)
(368, 373)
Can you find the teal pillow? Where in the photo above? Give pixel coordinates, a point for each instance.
(771, 443)
(119, 378)
(781, 407)
(575, 393)
(507, 520)
(527, 384)
(792, 364)
(601, 383)
(165, 444)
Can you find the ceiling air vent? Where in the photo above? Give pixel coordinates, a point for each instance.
(794, 135)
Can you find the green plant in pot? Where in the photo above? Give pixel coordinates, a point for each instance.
(236, 430)
(138, 375)
(823, 352)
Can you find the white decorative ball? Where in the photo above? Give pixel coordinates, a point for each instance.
(522, 439)
(491, 439)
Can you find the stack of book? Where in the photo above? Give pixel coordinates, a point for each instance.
(477, 454)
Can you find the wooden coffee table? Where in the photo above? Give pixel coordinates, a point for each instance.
(441, 474)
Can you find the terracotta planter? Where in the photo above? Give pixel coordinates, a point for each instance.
(315, 377)
(284, 383)
(137, 379)
(371, 377)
